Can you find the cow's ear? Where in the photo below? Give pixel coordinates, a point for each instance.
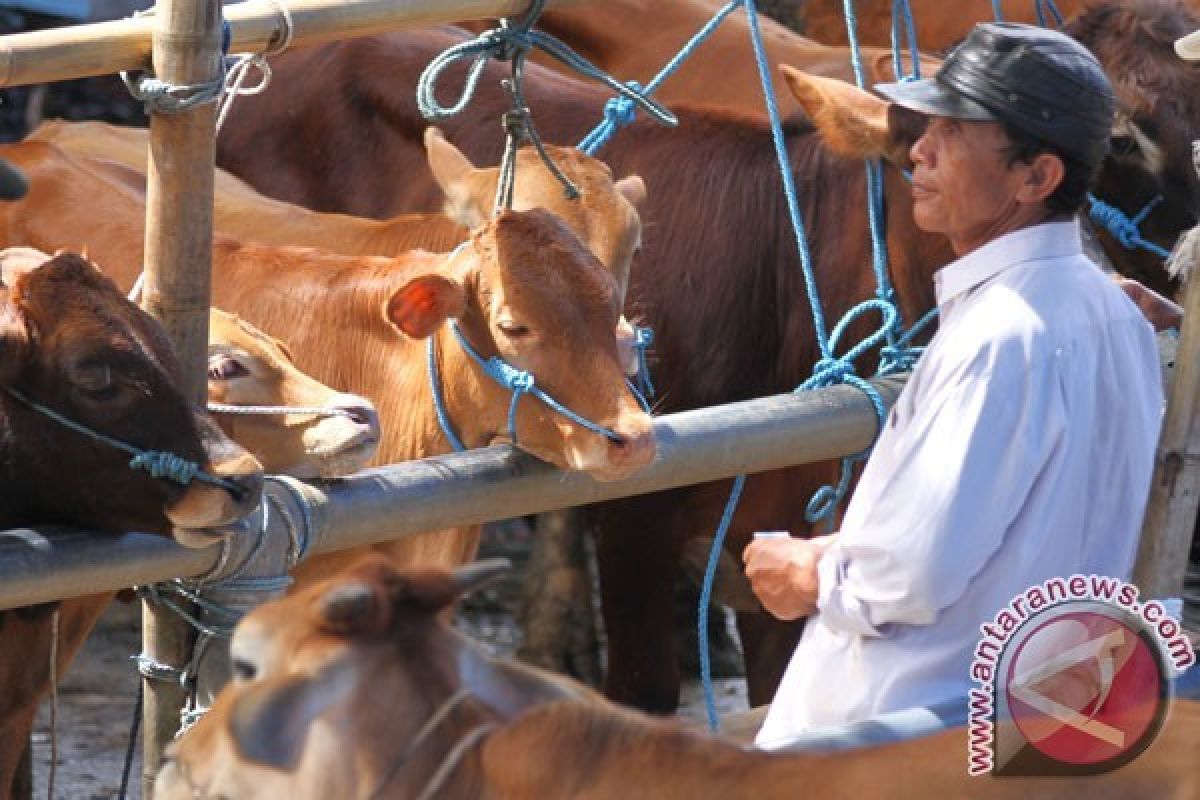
(16, 339)
(633, 188)
(271, 717)
(456, 176)
(851, 122)
(424, 303)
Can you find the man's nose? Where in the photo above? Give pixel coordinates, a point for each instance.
(919, 152)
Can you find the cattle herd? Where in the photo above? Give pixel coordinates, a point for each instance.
(349, 234)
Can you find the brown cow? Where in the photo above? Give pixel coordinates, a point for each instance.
(939, 28)
(357, 688)
(523, 287)
(634, 39)
(722, 287)
(71, 341)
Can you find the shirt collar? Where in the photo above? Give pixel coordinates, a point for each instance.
(1048, 240)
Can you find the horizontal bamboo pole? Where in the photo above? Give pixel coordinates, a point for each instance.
(104, 48)
(467, 488)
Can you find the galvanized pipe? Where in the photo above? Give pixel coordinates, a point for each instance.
(468, 488)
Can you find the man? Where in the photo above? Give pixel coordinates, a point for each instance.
(1023, 445)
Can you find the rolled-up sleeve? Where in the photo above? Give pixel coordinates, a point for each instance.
(937, 504)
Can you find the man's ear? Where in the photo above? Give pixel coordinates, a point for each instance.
(16, 339)
(1046, 173)
(271, 717)
(455, 175)
(851, 122)
(424, 303)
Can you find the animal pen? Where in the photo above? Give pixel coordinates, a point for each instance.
(181, 45)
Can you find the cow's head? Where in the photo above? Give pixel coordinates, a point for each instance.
(356, 684)
(1157, 120)
(72, 342)
(604, 216)
(246, 367)
(525, 288)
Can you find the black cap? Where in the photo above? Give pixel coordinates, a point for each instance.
(1037, 80)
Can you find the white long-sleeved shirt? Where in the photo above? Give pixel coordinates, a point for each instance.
(1021, 449)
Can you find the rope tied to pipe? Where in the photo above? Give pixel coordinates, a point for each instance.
(511, 42)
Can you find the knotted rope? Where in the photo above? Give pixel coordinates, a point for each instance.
(515, 380)
(1125, 229)
(512, 42)
(156, 462)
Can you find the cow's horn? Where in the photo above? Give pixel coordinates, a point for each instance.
(470, 577)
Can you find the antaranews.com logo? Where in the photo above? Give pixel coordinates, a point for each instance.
(1074, 678)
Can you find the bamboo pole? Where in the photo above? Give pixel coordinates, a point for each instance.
(177, 290)
(104, 48)
(1175, 490)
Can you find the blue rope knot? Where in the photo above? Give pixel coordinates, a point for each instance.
(620, 110)
(828, 371)
(508, 376)
(1122, 227)
(166, 465)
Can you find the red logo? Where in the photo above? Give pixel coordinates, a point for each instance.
(1085, 688)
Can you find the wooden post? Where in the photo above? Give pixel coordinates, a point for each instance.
(177, 290)
(1175, 491)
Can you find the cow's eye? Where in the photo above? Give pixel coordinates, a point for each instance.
(243, 670)
(1123, 145)
(224, 367)
(513, 330)
(95, 380)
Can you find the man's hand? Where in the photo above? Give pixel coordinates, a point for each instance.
(1161, 312)
(783, 573)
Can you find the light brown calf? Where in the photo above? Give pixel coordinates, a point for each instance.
(357, 688)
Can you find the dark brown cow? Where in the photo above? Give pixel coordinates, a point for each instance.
(71, 341)
(358, 689)
(719, 281)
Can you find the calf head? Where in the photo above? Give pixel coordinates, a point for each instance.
(1157, 120)
(357, 684)
(524, 288)
(604, 215)
(72, 342)
(246, 367)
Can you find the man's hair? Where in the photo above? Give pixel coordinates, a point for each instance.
(1078, 177)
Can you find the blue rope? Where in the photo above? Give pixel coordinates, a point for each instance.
(517, 381)
(710, 573)
(1125, 229)
(998, 10)
(619, 111)
(439, 402)
(1042, 6)
(156, 462)
(643, 340)
(901, 10)
(506, 43)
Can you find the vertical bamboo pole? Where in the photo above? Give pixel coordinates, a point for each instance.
(1175, 491)
(179, 212)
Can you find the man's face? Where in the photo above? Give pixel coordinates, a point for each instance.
(962, 184)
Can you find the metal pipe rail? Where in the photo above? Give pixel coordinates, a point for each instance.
(258, 26)
(463, 489)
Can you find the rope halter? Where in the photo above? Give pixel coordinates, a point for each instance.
(158, 463)
(517, 381)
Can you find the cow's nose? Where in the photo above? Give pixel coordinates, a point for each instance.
(632, 448)
(243, 476)
(358, 410)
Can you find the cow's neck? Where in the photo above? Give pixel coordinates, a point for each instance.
(330, 312)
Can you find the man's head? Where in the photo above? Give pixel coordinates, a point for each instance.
(1019, 122)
